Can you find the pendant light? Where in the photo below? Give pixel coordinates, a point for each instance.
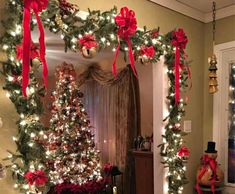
(213, 83)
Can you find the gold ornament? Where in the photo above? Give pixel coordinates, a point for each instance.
(36, 63)
(88, 52)
(59, 21)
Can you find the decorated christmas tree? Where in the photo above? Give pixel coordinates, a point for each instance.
(72, 158)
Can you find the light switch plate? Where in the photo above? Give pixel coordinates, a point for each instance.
(188, 126)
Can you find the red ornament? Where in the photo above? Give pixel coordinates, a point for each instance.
(36, 178)
(179, 41)
(127, 26)
(183, 152)
(66, 7)
(89, 41)
(37, 6)
(149, 52)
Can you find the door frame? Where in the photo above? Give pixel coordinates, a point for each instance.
(160, 111)
(220, 108)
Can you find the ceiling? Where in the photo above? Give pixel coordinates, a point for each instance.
(205, 6)
(200, 9)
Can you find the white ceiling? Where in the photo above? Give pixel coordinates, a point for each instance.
(200, 9)
(205, 6)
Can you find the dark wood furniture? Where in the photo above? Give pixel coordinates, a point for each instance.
(143, 172)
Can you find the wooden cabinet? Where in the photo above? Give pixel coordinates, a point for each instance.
(143, 172)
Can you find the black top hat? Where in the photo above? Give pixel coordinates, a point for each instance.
(211, 147)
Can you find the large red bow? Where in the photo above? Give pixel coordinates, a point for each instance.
(179, 41)
(88, 41)
(213, 165)
(183, 151)
(37, 6)
(127, 26)
(36, 178)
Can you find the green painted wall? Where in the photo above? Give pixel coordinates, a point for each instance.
(225, 32)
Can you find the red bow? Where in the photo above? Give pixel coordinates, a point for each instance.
(37, 177)
(127, 26)
(179, 41)
(213, 165)
(88, 41)
(37, 6)
(183, 151)
(34, 53)
(147, 51)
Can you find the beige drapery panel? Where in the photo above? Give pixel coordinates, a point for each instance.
(118, 115)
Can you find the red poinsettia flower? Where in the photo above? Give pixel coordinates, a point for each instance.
(183, 152)
(37, 177)
(179, 39)
(126, 22)
(88, 41)
(147, 51)
(34, 52)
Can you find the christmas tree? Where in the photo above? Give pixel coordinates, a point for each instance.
(72, 158)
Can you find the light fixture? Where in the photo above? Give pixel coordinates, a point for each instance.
(213, 83)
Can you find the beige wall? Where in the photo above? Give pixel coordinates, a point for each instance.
(225, 32)
(199, 110)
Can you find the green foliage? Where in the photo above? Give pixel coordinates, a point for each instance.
(70, 26)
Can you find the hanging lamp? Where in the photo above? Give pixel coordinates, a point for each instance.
(213, 83)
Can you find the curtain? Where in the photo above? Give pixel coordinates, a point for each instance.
(113, 106)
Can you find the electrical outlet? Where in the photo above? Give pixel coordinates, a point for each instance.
(188, 126)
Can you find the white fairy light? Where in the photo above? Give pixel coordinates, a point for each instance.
(31, 144)
(23, 122)
(13, 33)
(126, 48)
(108, 43)
(62, 36)
(112, 36)
(79, 36)
(16, 186)
(32, 135)
(5, 47)
(103, 39)
(154, 41)
(114, 49)
(14, 138)
(8, 95)
(10, 78)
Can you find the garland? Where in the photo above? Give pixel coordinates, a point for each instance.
(98, 31)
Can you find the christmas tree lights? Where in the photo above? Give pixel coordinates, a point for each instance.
(70, 148)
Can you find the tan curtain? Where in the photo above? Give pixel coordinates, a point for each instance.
(114, 109)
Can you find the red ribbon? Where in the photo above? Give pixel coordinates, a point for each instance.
(127, 26)
(147, 51)
(183, 151)
(179, 41)
(37, 177)
(37, 6)
(213, 165)
(88, 41)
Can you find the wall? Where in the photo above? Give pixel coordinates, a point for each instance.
(225, 32)
(152, 16)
